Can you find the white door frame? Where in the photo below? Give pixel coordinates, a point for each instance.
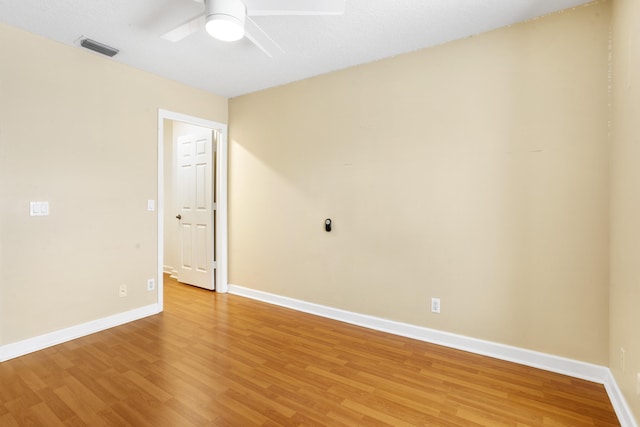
(221, 239)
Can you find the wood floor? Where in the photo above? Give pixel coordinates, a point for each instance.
(222, 360)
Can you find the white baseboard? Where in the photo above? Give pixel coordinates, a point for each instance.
(172, 272)
(575, 368)
(623, 411)
(20, 348)
(167, 269)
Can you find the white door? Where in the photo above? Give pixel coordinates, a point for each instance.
(195, 161)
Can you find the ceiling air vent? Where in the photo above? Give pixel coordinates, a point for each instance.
(98, 47)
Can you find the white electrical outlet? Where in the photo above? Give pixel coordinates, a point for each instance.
(151, 284)
(123, 291)
(622, 359)
(435, 305)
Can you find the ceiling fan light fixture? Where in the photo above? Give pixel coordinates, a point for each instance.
(225, 19)
(225, 28)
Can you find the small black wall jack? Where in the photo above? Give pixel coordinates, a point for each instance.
(327, 225)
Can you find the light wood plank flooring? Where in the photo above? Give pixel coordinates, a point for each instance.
(222, 360)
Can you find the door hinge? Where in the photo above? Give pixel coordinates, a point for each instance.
(214, 265)
(214, 206)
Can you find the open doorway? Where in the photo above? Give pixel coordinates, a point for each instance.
(192, 201)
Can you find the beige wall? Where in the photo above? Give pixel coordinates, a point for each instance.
(475, 172)
(625, 199)
(79, 131)
(170, 234)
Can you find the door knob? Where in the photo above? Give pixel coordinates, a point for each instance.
(179, 216)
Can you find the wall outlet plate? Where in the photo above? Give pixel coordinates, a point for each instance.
(151, 284)
(622, 359)
(435, 305)
(122, 291)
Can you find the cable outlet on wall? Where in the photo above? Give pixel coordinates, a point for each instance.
(622, 359)
(151, 284)
(435, 305)
(123, 291)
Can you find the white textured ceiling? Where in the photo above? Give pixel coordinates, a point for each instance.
(369, 30)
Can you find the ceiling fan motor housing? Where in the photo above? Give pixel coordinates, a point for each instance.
(225, 19)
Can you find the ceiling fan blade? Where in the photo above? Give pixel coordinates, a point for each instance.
(262, 39)
(185, 29)
(294, 7)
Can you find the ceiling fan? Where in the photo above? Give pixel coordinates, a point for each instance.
(229, 20)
